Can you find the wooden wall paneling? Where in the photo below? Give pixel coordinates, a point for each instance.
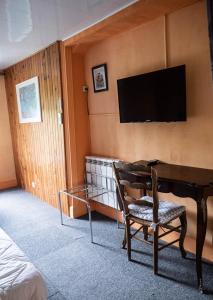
(189, 142)
(7, 166)
(132, 16)
(68, 116)
(8, 184)
(77, 135)
(39, 147)
(69, 121)
(69, 124)
(82, 128)
(12, 116)
(73, 77)
(81, 114)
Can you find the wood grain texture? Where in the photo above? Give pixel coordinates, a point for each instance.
(7, 166)
(39, 147)
(77, 132)
(132, 16)
(142, 50)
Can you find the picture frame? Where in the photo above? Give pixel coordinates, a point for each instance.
(100, 79)
(28, 101)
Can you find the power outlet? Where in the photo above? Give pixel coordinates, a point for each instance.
(33, 184)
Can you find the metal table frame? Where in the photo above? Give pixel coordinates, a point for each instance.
(83, 193)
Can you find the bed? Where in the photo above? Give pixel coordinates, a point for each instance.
(19, 279)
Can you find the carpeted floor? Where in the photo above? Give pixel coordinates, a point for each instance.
(74, 268)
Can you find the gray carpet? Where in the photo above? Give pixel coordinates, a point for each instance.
(73, 268)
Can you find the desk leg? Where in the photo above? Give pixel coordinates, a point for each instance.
(201, 233)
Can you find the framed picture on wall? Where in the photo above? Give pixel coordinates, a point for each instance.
(28, 100)
(100, 80)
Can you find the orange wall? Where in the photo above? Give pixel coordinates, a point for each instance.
(180, 38)
(7, 168)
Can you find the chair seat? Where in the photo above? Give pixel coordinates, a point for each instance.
(167, 211)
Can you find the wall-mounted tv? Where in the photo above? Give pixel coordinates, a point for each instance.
(158, 96)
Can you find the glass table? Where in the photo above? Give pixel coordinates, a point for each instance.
(84, 193)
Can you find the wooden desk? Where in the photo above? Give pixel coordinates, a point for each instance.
(196, 183)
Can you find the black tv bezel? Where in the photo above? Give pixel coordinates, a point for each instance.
(184, 119)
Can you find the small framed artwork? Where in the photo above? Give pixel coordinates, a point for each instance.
(28, 100)
(100, 80)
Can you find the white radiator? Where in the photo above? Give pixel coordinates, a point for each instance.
(99, 173)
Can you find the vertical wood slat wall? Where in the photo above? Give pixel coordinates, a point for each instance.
(39, 147)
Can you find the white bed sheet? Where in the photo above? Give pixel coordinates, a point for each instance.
(19, 279)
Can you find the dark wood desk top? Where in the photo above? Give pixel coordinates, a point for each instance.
(183, 174)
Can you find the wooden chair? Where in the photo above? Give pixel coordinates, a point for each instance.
(149, 212)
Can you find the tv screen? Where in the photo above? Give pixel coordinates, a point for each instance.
(158, 96)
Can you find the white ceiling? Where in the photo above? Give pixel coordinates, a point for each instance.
(27, 26)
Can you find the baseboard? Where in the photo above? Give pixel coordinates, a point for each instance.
(8, 184)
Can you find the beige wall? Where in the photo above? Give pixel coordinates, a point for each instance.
(7, 169)
(180, 38)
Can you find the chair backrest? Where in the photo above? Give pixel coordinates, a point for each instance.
(136, 177)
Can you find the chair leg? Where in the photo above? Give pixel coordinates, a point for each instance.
(145, 232)
(124, 240)
(155, 250)
(183, 222)
(128, 238)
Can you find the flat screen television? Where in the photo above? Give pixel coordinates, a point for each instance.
(158, 96)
